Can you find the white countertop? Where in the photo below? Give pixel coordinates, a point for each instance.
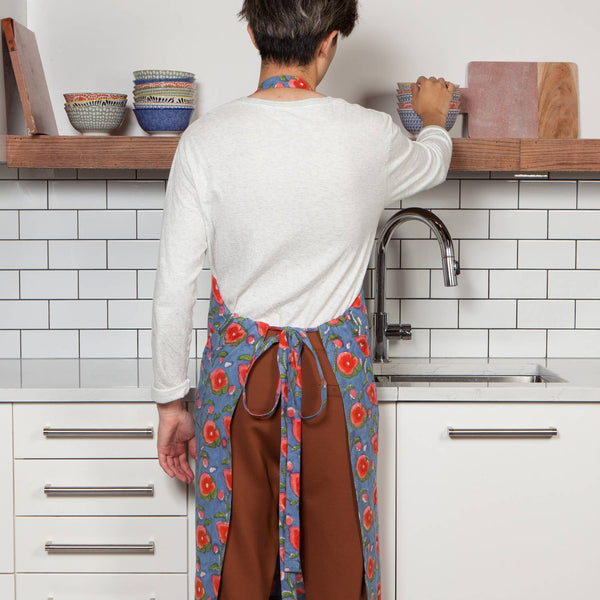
(571, 380)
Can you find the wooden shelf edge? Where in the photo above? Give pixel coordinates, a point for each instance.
(148, 152)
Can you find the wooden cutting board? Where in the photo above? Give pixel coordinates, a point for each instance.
(521, 100)
(30, 79)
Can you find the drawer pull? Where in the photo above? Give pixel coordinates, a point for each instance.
(60, 432)
(545, 432)
(133, 490)
(103, 548)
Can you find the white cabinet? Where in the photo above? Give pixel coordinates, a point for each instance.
(497, 518)
(6, 494)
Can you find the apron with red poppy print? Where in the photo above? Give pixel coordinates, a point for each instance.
(234, 343)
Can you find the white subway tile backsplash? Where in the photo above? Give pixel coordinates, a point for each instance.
(98, 284)
(472, 283)
(588, 314)
(80, 254)
(134, 254)
(145, 343)
(20, 195)
(23, 314)
(509, 283)
(76, 194)
(429, 313)
(487, 314)
(489, 194)
(49, 373)
(108, 343)
(136, 194)
(416, 347)
(465, 223)
(517, 343)
(407, 283)
(17, 254)
(50, 344)
(95, 372)
(573, 343)
(129, 314)
(518, 224)
(107, 224)
(145, 283)
(48, 224)
(9, 285)
(201, 337)
(445, 195)
(546, 314)
(9, 225)
(488, 254)
(204, 283)
(148, 224)
(48, 284)
(588, 195)
(459, 343)
(200, 313)
(547, 194)
(419, 254)
(588, 254)
(554, 254)
(78, 314)
(574, 224)
(574, 284)
(10, 346)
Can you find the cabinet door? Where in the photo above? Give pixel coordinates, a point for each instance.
(6, 491)
(113, 586)
(503, 518)
(386, 493)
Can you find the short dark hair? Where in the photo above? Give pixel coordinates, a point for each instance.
(290, 31)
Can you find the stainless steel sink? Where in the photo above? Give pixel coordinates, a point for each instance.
(437, 378)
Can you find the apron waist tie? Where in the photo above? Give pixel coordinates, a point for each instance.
(289, 389)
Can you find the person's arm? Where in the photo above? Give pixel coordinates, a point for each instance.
(183, 244)
(414, 166)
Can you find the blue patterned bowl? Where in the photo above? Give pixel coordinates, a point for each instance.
(169, 120)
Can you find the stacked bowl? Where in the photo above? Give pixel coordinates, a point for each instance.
(95, 113)
(163, 100)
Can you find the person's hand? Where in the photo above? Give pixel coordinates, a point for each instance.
(431, 100)
(176, 432)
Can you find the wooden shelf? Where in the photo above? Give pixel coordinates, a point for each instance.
(147, 152)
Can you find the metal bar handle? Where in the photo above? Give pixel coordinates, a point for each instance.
(102, 548)
(132, 490)
(544, 432)
(61, 432)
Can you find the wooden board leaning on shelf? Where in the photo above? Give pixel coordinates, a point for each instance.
(145, 152)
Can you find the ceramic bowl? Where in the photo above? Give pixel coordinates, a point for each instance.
(96, 120)
(161, 74)
(85, 96)
(173, 79)
(169, 120)
(106, 102)
(165, 84)
(164, 91)
(164, 100)
(411, 121)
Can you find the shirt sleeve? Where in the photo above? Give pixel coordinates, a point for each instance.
(182, 249)
(414, 166)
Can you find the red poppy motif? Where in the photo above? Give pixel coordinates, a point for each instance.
(243, 372)
(216, 292)
(296, 428)
(207, 485)
(370, 567)
(216, 581)
(234, 334)
(347, 363)
(362, 467)
(282, 501)
(361, 340)
(227, 423)
(284, 446)
(356, 303)
(295, 537)
(202, 538)
(368, 517)
(210, 433)
(375, 442)
(375, 494)
(222, 530)
(262, 328)
(358, 414)
(372, 392)
(295, 483)
(378, 591)
(200, 593)
(377, 542)
(227, 477)
(218, 381)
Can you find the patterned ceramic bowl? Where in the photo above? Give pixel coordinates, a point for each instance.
(164, 84)
(161, 74)
(411, 120)
(170, 79)
(85, 96)
(164, 92)
(106, 102)
(96, 120)
(164, 100)
(170, 120)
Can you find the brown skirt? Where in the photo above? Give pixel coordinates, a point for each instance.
(330, 547)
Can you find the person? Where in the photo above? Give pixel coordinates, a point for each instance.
(279, 193)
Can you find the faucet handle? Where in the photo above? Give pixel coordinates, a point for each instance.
(399, 331)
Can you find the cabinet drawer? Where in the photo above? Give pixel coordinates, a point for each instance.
(116, 586)
(7, 587)
(102, 487)
(102, 430)
(521, 512)
(167, 534)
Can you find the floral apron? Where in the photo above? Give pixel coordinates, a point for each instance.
(234, 343)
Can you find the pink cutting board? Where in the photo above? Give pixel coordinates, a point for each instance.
(521, 100)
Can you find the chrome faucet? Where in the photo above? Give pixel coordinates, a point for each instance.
(450, 267)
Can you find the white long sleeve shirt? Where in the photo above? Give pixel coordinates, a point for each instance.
(281, 199)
